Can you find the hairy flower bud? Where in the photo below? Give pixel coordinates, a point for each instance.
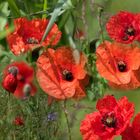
(27, 90)
(13, 70)
(10, 83)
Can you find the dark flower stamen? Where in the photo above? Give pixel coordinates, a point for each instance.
(109, 120)
(13, 70)
(67, 75)
(130, 31)
(32, 40)
(121, 66)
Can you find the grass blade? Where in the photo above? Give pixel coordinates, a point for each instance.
(61, 7)
(14, 8)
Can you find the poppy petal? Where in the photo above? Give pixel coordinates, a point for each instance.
(108, 103)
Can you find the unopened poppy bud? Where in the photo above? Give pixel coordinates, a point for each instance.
(27, 90)
(13, 70)
(10, 83)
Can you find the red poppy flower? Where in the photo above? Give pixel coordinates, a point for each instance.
(119, 64)
(61, 75)
(18, 121)
(128, 134)
(133, 131)
(136, 127)
(137, 25)
(123, 27)
(28, 35)
(111, 119)
(24, 86)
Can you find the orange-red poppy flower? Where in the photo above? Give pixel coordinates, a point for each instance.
(61, 73)
(28, 34)
(24, 78)
(119, 64)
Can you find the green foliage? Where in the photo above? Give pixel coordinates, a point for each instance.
(14, 8)
(60, 8)
(3, 14)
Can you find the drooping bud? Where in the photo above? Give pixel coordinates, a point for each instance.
(27, 90)
(13, 70)
(10, 83)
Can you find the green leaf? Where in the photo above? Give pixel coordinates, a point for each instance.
(14, 8)
(4, 33)
(90, 95)
(60, 8)
(4, 12)
(64, 19)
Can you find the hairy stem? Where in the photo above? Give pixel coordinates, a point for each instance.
(67, 120)
(84, 17)
(100, 23)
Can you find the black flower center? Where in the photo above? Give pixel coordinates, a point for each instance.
(121, 66)
(32, 40)
(130, 31)
(67, 75)
(109, 120)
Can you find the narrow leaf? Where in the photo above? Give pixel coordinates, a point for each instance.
(4, 33)
(14, 8)
(60, 8)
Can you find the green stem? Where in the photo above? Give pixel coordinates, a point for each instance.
(72, 44)
(29, 56)
(67, 120)
(64, 20)
(45, 8)
(84, 18)
(76, 53)
(100, 24)
(8, 107)
(31, 14)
